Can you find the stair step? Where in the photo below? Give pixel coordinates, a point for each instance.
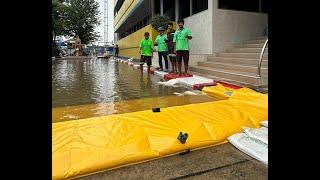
(240, 61)
(243, 55)
(238, 83)
(219, 79)
(250, 78)
(247, 50)
(235, 67)
(255, 41)
(249, 45)
(260, 38)
(263, 89)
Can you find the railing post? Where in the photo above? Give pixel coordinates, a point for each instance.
(260, 59)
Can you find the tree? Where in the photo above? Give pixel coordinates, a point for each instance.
(59, 15)
(160, 21)
(75, 18)
(81, 20)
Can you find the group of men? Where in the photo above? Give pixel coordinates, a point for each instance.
(174, 44)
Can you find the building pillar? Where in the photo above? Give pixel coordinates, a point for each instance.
(190, 1)
(260, 6)
(152, 8)
(176, 10)
(161, 7)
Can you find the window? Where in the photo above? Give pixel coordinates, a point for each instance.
(244, 5)
(156, 6)
(169, 9)
(118, 6)
(144, 22)
(184, 8)
(148, 19)
(265, 6)
(199, 5)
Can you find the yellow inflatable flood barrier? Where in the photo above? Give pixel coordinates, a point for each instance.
(220, 92)
(86, 146)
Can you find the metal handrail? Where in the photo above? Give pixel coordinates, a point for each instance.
(261, 56)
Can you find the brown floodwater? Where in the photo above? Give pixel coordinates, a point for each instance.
(97, 87)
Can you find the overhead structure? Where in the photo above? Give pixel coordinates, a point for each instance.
(105, 20)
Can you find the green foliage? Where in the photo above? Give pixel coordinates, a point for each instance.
(160, 21)
(76, 18)
(59, 15)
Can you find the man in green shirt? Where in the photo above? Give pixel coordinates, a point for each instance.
(172, 55)
(181, 40)
(161, 40)
(146, 51)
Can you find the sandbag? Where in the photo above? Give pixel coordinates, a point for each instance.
(264, 123)
(250, 146)
(260, 134)
(172, 82)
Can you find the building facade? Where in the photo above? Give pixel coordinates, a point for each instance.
(215, 24)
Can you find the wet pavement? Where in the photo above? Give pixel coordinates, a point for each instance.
(218, 162)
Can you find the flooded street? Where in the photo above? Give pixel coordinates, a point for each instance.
(96, 87)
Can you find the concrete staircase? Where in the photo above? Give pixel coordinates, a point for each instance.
(238, 65)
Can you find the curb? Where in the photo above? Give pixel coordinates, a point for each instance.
(194, 81)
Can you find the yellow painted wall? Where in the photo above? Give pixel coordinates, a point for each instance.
(125, 9)
(129, 46)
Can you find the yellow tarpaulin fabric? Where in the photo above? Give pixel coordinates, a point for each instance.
(85, 146)
(218, 92)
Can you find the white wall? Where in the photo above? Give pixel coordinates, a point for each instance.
(214, 30)
(200, 25)
(231, 26)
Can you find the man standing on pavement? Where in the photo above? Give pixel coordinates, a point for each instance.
(161, 40)
(171, 53)
(117, 50)
(181, 39)
(146, 51)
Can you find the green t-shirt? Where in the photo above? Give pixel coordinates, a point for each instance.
(162, 45)
(146, 47)
(182, 43)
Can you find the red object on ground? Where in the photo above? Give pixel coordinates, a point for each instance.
(152, 69)
(229, 85)
(200, 86)
(170, 76)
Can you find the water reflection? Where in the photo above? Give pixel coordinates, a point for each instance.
(92, 110)
(77, 82)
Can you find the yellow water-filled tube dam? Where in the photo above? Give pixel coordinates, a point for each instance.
(86, 146)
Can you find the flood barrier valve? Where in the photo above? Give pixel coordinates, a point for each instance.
(155, 109)
(182, 137)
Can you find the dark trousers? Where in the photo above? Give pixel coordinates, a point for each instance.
(117, 53)
(164, 54)
(183, 54)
